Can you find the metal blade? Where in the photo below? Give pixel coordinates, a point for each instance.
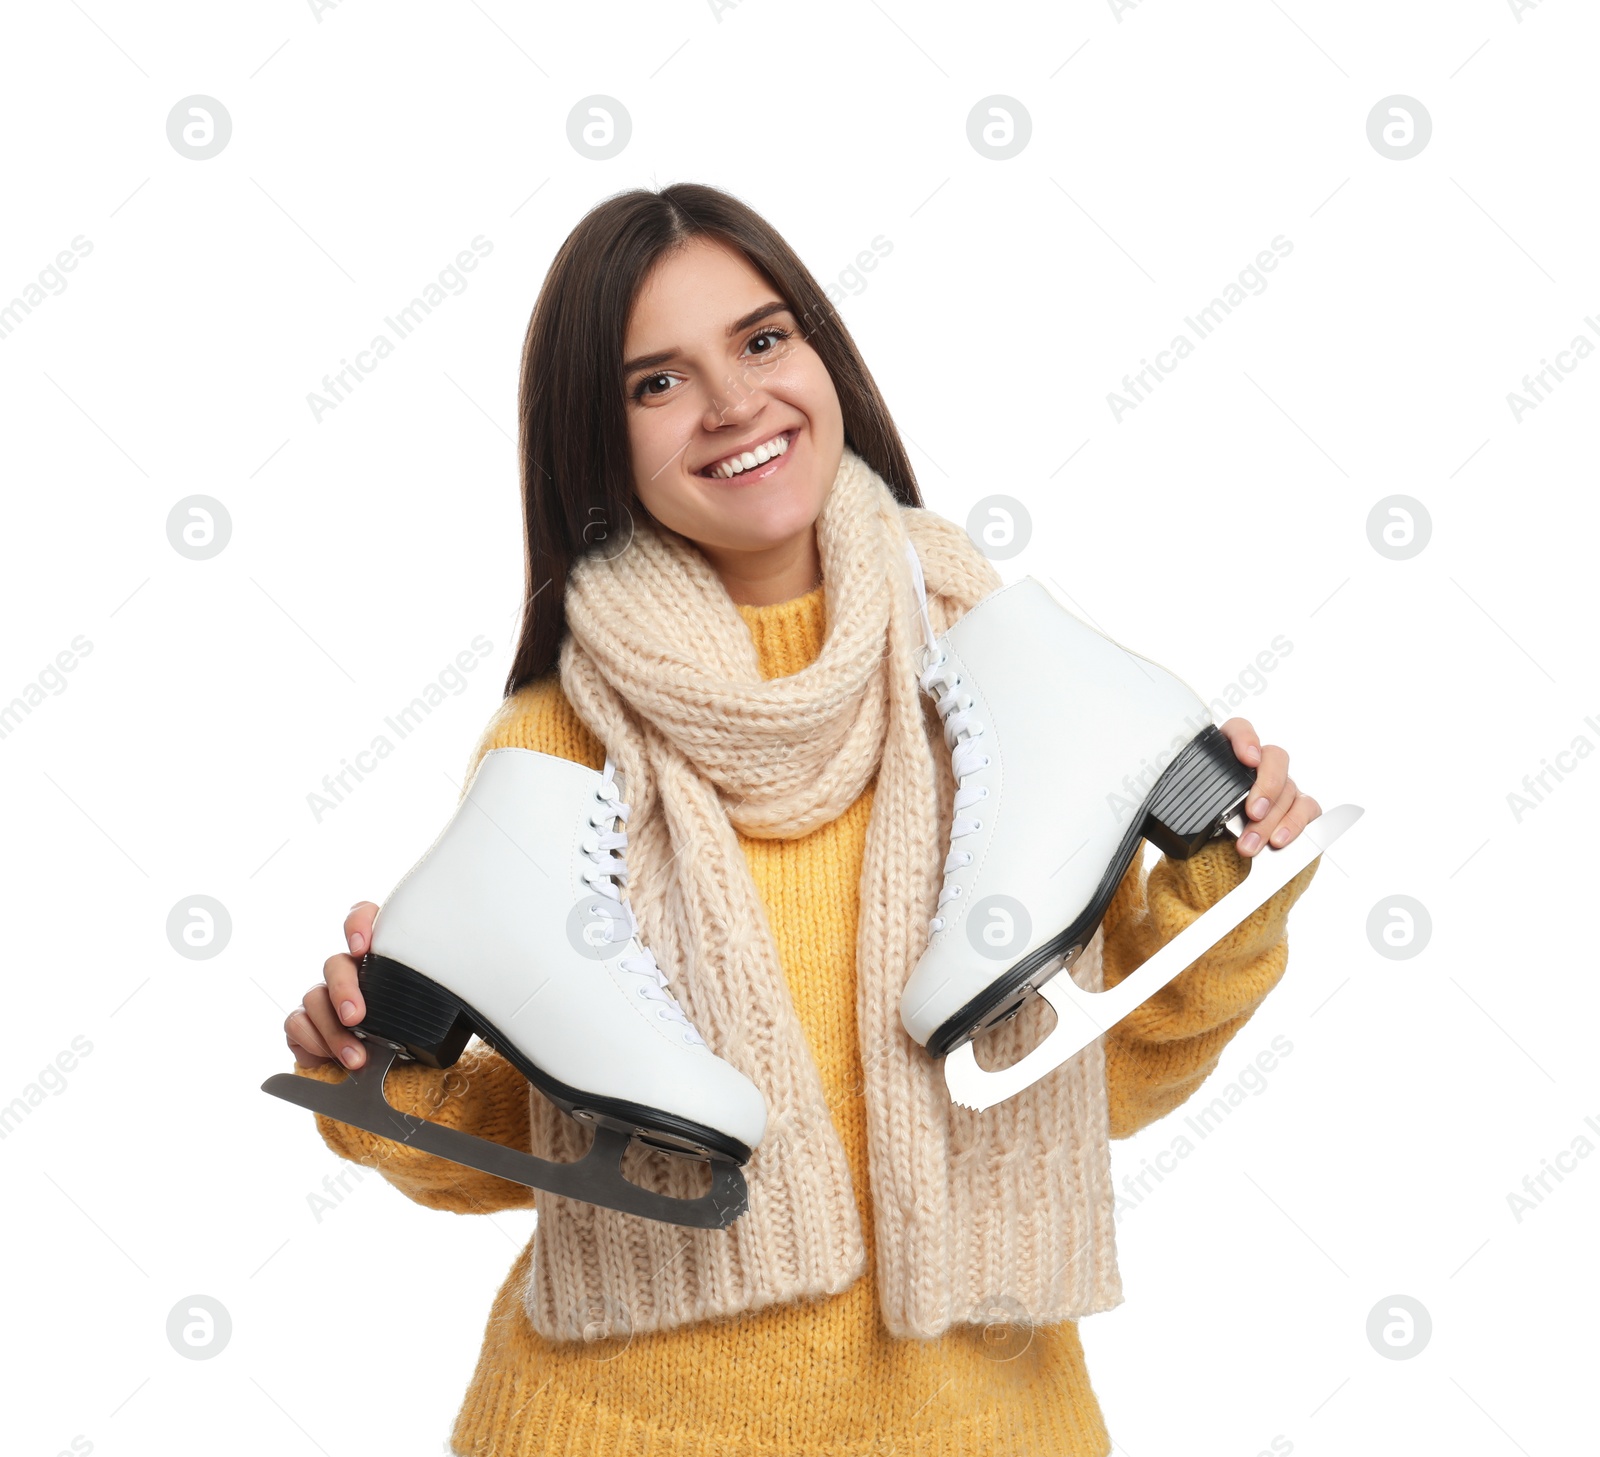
(596, 1178)
(1082, 1016)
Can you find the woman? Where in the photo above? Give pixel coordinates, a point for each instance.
(909, 1272)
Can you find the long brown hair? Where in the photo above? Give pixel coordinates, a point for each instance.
(577, 473)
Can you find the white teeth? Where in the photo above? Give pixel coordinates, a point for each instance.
(725, 469)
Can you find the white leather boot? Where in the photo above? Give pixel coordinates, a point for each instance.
(511, 926)
(1067, 749)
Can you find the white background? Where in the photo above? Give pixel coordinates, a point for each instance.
(1169, 145)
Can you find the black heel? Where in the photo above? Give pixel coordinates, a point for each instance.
(407, 1010)
(1198, 791)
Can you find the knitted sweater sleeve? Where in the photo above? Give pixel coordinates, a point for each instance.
(483, 1093)
(1163, 1050)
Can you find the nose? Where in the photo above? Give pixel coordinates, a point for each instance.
(737, 399)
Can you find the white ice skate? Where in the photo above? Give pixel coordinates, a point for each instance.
(1074, 748)
(512, 926)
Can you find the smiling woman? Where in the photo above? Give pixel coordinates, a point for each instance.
(722, 339)
(736, 432)
(718, 600)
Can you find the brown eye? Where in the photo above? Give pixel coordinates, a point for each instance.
(640, 390)
(771, 333)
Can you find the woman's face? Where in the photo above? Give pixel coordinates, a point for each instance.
(715, 366)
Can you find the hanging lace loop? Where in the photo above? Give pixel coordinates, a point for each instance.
(962, 732)
(606, 874)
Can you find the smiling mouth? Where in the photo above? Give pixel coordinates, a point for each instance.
(759, 455)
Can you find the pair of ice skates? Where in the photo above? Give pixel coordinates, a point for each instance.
(1067, 750)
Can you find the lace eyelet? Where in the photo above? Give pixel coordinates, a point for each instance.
(977, 825)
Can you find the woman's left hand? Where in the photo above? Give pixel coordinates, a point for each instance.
(1275, 810)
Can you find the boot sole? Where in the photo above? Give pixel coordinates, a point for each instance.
(431, 1024)
(1200, 789)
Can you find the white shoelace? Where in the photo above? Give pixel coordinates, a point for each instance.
(962, 732)
(608, 875)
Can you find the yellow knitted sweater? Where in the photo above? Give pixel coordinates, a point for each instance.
(815, 1378)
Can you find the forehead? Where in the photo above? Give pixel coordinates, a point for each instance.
(694, 292)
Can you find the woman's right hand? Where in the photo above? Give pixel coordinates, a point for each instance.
(318, 1029)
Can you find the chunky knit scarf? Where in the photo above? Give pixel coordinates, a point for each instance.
(1005, 1214)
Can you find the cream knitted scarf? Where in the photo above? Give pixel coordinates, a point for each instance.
(978, 1216)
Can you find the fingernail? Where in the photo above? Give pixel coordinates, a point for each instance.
(347, 1011)
(1260, 807)
(358, 941)
(1280, 834)
(352, 1056)
(1250, 843)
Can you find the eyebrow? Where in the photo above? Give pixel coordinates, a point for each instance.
(738, 326)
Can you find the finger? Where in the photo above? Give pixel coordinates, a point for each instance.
(1261, 831)
(1246, 746)
(358, 926)
(303, 1056)
(1301, 813)
(303, 1037)
(1270, 779)
(342, 1044)
(344, 988)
